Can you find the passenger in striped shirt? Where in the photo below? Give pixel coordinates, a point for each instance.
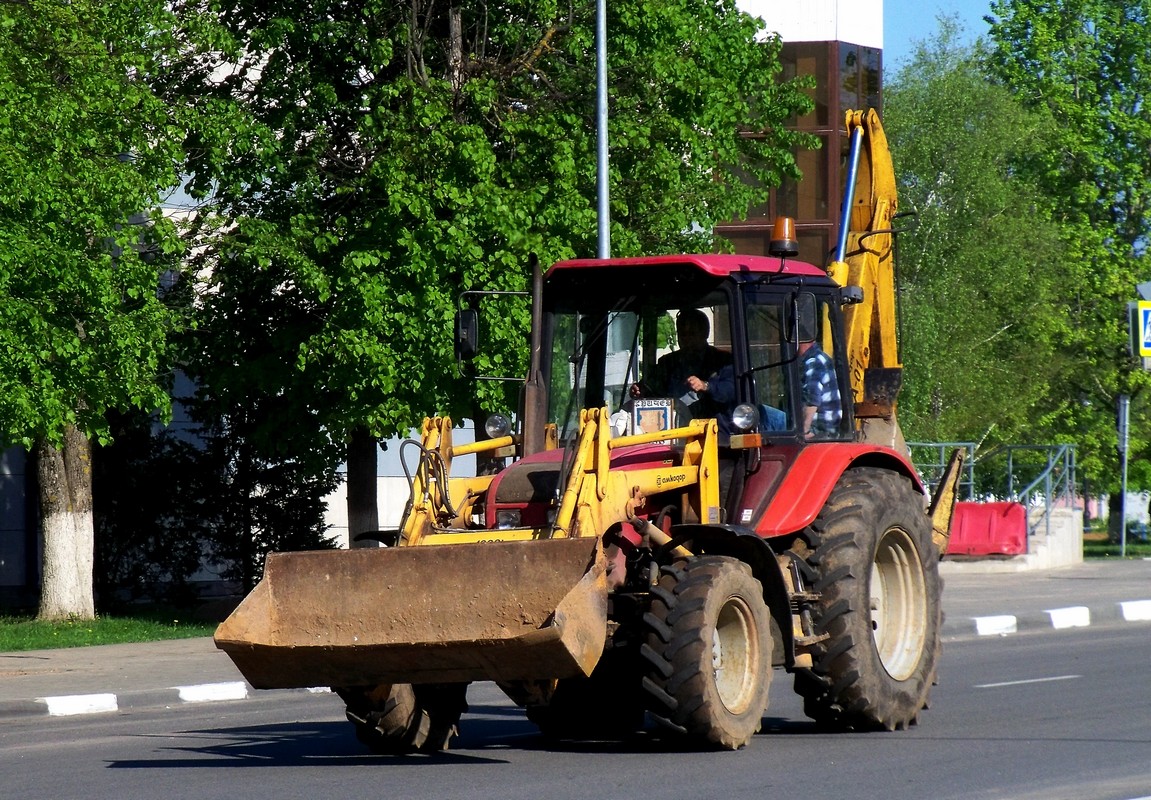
(822, 405)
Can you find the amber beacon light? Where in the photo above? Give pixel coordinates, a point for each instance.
(783, 242)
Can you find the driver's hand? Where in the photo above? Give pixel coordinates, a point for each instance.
(696, 384)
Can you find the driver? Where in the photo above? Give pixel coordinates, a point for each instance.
(684, 373)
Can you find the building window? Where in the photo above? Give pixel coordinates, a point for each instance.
(847, 76)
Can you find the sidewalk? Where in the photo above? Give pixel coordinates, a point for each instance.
(81, 680)
(1097, 592)
(162, 674)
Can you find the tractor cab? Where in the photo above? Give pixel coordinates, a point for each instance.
(753, 342)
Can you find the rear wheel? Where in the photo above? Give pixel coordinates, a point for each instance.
(397, 718)
(707, 654)
(872, 562)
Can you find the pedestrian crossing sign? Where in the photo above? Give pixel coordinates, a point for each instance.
(1144, 318)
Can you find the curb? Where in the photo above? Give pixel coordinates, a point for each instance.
(103, 703)
(1049, 619)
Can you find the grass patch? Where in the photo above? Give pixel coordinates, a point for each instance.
(27, 633)
(1106, 549)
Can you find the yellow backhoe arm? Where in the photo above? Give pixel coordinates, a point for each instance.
(867, 261)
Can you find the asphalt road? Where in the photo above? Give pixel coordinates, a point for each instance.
(1058, 714)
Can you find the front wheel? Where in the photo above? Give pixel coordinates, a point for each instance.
(398, 718)
(873, 564)
(605, 706)
(707, 654)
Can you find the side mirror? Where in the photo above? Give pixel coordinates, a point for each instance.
(467, 334)
(803, 324)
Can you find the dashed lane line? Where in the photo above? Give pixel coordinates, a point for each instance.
(1027, 681)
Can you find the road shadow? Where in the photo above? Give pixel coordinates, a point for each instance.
(300, 744)
(485, 732)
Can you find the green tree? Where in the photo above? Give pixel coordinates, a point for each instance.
(86, 150)
(981, 268)
(261, 504)
(155, 504)
(1086, 64)
(402, 152)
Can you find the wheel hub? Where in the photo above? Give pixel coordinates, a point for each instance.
(733, 655)
(898, 604)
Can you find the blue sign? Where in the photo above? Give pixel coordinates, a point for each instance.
(1145, 328)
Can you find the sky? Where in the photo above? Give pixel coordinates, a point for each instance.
(906, 22)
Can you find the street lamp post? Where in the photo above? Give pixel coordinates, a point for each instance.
(1123, 416)
(602, 195)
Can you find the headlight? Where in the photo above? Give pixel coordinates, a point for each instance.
(508, 518)
(744, 417)
(497, 425)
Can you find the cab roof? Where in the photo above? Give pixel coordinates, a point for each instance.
(720, 265)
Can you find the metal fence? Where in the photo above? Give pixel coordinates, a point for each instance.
(930, 459)
(1035, 476)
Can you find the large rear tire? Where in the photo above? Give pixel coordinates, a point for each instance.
(398, 718)
(707, 654)
(872, 562)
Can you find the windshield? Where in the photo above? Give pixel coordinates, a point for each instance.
(768, 361)
(636, 356)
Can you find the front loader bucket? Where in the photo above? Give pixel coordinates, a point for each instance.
(458, 612)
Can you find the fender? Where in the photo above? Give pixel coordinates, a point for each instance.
(804, 490)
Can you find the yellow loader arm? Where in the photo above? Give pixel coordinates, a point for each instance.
(865, 257)
(453, 602)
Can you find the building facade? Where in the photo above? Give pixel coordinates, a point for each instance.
(840, 43)
(19, 537)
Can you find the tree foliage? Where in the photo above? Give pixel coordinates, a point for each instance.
(260, 504)
(981, 267)
(86, 153)
(155, 505)
(1085, 63)
(87, 150)
(394, 154)
(175, 502)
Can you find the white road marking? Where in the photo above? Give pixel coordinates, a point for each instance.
(69, 705)
(997, 625)
(209, 692)
(1030, 680)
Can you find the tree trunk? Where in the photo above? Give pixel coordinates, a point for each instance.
(1087, 504)
(65, 478)
(363, 508)
(1114, 516)
(456, 57)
